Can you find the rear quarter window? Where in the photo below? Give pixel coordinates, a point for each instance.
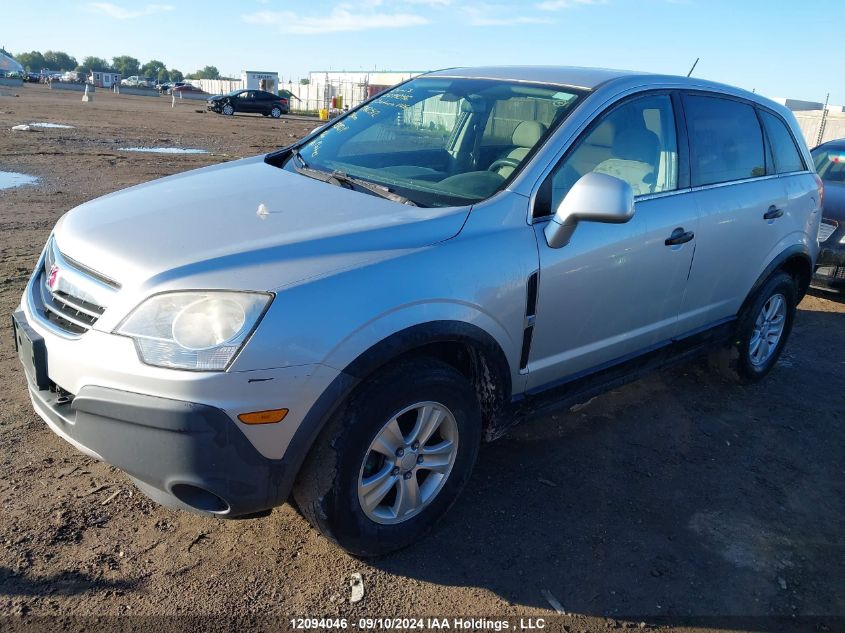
(726, 141)
(786, 154)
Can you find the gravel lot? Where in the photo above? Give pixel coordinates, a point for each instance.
(679, 501)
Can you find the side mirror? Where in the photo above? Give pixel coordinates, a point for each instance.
(594, 198)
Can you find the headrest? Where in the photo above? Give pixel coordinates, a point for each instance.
(528, 133)
(603, 135)
(637, 144)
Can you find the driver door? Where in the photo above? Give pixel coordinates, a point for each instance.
(246, 102)
(616, 289)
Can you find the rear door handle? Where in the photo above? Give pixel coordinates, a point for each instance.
(772, 213)
(679, 236)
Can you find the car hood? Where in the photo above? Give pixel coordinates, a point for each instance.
(834, 201)
(243, 225)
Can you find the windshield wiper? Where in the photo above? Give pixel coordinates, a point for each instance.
(342, 179)
(379, 190)
(298, 157)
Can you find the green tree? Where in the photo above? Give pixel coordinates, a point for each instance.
(176, 75)
(163, 75)
(304, 82)
(93, 63)
(152, 68)
(58, 60)
(33, 61)
(126, 65)
(209, 72)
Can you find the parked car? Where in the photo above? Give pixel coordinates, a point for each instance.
(250, 101)
(829, 160)
(137, 82)
(32, 77)
(185, 88)
(345, 319)
(167, 87)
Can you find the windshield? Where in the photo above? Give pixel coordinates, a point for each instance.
(438, 141)
(830, 164)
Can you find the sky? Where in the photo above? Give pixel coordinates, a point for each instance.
(780, 48)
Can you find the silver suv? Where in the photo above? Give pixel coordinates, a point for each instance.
(346, 319)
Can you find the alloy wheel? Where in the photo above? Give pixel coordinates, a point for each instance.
(768, 330)
(408, 463)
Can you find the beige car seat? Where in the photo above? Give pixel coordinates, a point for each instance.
(636, 154)
(525, 136)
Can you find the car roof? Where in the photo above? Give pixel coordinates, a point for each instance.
(583, 78)
(837, 144)
(573, 76)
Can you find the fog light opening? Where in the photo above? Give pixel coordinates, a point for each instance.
(199, 499)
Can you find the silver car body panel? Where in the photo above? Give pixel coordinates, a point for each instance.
(350, 269)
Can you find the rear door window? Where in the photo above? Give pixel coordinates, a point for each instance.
(726, 141)
(786, 155)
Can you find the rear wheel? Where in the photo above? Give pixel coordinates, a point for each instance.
(275, 112)
(762, 331)
(393, 460)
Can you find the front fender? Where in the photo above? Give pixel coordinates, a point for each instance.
(410, 326)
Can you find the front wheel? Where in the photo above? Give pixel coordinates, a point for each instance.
(393, 460)
(762, 331)
(228, 109)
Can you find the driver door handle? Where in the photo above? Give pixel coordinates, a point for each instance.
(679, 236)
(772, 213)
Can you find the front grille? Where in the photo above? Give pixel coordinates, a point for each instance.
(71, 313)
(69, 296)
(826, 229)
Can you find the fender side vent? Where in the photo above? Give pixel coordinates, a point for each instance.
(530, 313)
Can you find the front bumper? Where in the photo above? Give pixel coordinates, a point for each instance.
(175, 433)
(181, 454)
(830, 266)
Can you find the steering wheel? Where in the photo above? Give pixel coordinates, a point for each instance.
(503, 162)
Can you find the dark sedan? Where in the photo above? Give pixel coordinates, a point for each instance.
(254, 101)
(830, 165)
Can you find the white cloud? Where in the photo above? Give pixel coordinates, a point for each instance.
(558, 5)
(486, 14)
(518, 19)
(121, 13)
(341, 18)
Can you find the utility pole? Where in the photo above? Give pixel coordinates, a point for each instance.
(693, 66)
(823, 122)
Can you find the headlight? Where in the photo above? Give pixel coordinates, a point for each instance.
(194, 330)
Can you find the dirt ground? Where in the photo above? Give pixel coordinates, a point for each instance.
(677, 501)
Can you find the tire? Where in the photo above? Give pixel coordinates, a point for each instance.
(228, 109)
(275, 112)
(329, 488)
(752, 354)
